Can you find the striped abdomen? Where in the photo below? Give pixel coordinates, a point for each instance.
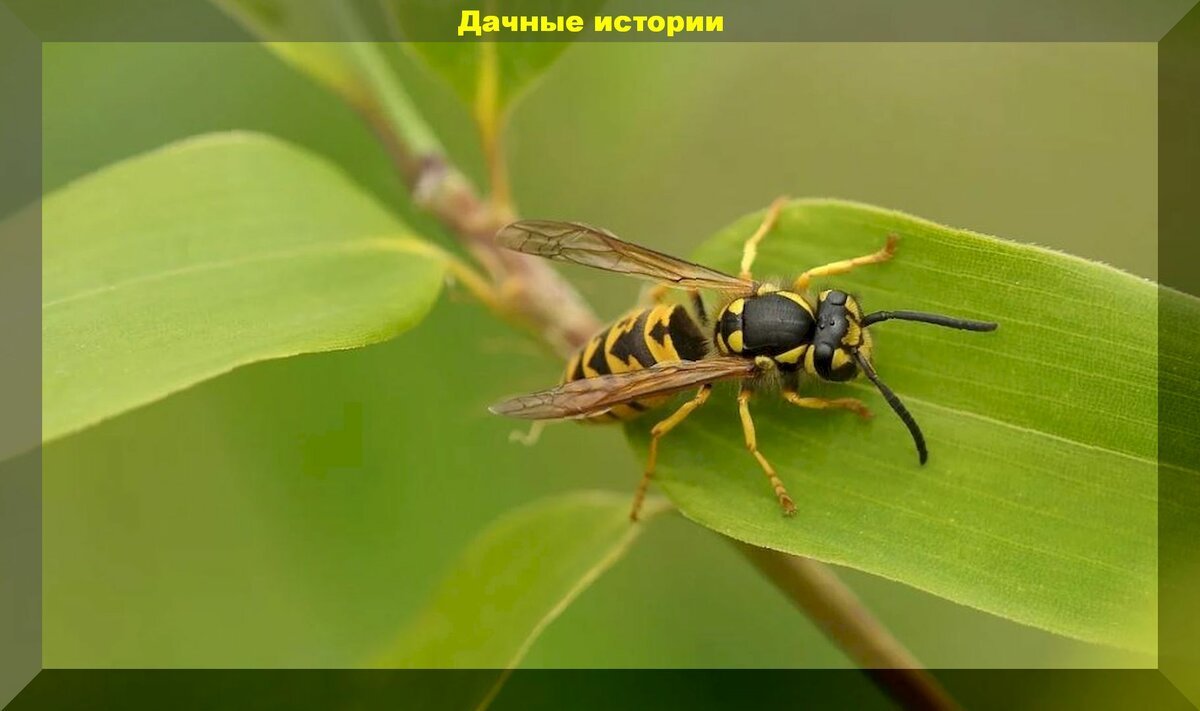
(659, 334)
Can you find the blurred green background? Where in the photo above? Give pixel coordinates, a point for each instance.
(297, 513)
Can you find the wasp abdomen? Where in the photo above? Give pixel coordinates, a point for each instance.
(659, 334)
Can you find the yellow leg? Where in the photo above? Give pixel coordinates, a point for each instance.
(750, 249)
(785, 501)
(529, 438)
(657, 293)
(656, 433)
(819, 403)
(835, 268)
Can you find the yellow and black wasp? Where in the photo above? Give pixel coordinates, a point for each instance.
(762, 332)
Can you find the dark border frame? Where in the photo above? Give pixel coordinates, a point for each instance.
(26, 24)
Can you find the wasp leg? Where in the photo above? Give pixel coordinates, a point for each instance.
(529, 438)
(750, 249)
(698, 305)
(656, 433)
(785, 501)
(819, 403)
(846, 265)
(657, 294)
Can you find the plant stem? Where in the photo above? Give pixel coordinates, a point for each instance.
(824, 598)
(489, 118)
(526, 289)
(527, 286)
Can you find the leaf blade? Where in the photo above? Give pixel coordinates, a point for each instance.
(1039, 499)
(515, 578)
(183, 263)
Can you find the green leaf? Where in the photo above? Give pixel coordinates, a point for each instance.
(1038, 502)
(516, 578)
(487, 76)
(180, 264)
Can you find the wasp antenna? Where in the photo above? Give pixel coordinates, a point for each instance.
(935, 319)
(898, 407)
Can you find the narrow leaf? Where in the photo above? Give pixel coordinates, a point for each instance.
(516, 578)
(1038, 502)
(185, 262)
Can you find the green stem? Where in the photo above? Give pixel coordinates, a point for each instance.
(831, 605)
(392, 102)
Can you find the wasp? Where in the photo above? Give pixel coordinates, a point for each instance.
(763, 332)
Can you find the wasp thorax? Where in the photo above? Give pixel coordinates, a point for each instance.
(774, 324)
(838, 333)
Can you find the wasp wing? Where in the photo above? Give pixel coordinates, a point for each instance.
(594, 247)
(594, 396)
